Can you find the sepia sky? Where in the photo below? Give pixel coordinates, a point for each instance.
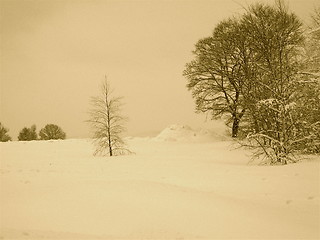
(55, 54)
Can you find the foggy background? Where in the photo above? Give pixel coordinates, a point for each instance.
(55, 54)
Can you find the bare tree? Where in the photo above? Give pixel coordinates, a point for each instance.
(215, 76)
(107, 123)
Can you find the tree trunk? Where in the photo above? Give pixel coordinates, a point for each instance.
(235, 127)
(110, 149)
(109, 143)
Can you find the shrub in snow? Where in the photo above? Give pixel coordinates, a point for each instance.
(28, 134)
(51, 131)
(4, 137)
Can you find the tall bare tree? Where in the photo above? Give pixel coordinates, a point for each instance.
(215, 77)
(107, 123)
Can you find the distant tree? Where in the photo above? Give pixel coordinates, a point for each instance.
(51, 131)
(4, 137)
(28, 134)
(107, 123)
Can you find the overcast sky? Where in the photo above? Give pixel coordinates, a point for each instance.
(55, 54)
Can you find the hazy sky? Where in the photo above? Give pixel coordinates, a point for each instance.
(55, 54)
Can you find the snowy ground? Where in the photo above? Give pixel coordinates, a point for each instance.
(182, 184)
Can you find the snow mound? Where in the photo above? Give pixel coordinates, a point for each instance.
(176, 132)
(184, 133)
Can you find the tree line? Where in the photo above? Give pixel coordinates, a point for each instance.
(50, 131)
(261, 70)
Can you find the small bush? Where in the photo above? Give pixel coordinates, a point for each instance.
(4, 137)
(28, 134)
(51, 131)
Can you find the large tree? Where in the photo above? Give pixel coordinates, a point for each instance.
(275, 37)
(215, 77)
(107, 123)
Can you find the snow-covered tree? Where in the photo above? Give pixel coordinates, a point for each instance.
(276, 39)
(107, 123)
(308, 115)
(4, 137)
(308, 103)
(52, 131)
(28, 134)
(284, 113)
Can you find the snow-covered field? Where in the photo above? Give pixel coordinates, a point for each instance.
(182, 184)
